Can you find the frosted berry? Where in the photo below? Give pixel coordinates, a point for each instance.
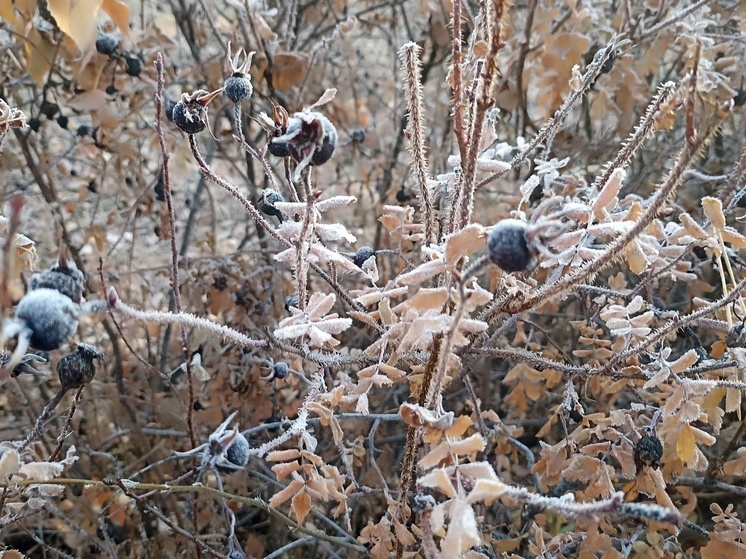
(269, 198)
(362, 255)
(76, 369)
(107, 44)
(237, 454)
(306, 134)
(134, 66)
(648, 452)
(49, 109)
(280, 370)
(238, 87)
(190, 112)
(291, 301)
(507, 246)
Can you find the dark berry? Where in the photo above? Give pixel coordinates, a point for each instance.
(238, 87)
(740, 99)
(279, 149)
(63, 121)
(735, 337)
(269, 198)
(358, 136)
(305, 134)
(160, 194)
(362, 255)
(648, 452)
(134, 65)
(700, 252)
(49, 109)
(190, 112)
(280, 370)
(34, 124)
(291, 301)
(111, 90)
(237, 454)
(76, 369)
(740, 198)
(328, 145)
(189, 119)
(402, 196)
(84, 131)
(107, 44)
(508, 246)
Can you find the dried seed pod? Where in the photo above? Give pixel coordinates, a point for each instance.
(269, 198)
(107, 44)
(190, 112)
(236, 454)
(76, 369)
(362, 254)
(507, 245)
(648, 452)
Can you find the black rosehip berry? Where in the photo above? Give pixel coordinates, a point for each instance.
(134, 66)
(107, 44)
(648, 452)
(190, 112)
(507, 246)
(291, 301)
(49, 109)
(269, 198)
(237, 454)
(362, 254)
(63, 121)
(279, 149)
(280, 370)
(34, 124)
(238, 87)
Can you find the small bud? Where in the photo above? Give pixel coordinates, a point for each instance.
(507, 246)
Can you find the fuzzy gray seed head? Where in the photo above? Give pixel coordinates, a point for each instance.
(50, 318)
(65, 278)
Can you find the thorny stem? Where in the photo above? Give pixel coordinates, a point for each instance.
(184, 319)
(641, 132)
(675, 324)
(172, 233)
(458, 85)
(552, 125)
(304, 242)
(464, 198)
(409, 55)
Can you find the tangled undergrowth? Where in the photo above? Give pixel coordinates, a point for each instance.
(372, 279)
